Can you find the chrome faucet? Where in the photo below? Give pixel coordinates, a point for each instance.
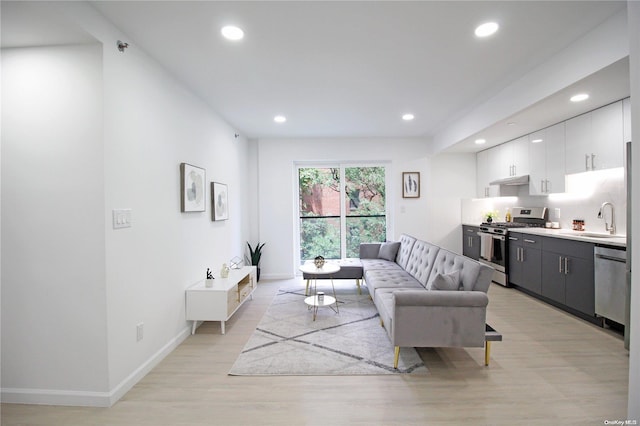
(611, 228)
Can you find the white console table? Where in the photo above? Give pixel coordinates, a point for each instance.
(219, 302)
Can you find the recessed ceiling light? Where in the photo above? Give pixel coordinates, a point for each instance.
(279, 118)
(511, 123)
(408, 117)
(486, 29)
(231, 32)
(536, 141)
(579, 97)
(480, 141)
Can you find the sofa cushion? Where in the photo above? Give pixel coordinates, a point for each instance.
(391, 279)
(379, 264)
(421, 261)
(406, 245)
(473, 275)
(450, 281)
(389, 250)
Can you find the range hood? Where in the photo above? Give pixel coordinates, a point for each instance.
(512, 180)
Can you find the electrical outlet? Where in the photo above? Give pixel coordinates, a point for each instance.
(139, 331)
(557, 214)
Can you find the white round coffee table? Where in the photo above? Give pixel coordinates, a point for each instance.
(313, 271)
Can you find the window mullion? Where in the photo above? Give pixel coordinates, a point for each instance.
(343, 213)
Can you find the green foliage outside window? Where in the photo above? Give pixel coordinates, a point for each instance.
(365, 210)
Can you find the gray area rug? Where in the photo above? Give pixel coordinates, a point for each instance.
(288, 342)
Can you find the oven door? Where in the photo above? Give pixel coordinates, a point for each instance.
(493, 252)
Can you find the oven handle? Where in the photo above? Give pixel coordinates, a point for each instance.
(494, 236)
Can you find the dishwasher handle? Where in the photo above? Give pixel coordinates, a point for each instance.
(614, 259)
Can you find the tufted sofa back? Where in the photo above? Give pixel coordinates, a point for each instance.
(421, 261)
(406, 245)
(473, 275)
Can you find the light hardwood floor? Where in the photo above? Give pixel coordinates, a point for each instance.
(550, 369)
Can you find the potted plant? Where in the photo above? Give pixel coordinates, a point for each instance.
(254, 256)
(491, 216)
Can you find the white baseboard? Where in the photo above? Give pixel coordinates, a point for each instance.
(90, 398)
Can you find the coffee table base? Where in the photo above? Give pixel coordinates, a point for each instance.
(314, 303)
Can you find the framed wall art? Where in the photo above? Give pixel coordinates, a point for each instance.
(410, 184)
(192, 184)
(219, 201)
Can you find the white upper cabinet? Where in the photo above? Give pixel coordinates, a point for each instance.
(594, 140)
(626, 119)
(510, 159)
(521, 163)
(546, 155)
(484, 175)
(555, 145)
(538, 157)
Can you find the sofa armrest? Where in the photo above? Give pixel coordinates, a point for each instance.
(441, 298)
(369, 250)
(439, 318)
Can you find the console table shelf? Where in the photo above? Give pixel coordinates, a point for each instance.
(220, 301)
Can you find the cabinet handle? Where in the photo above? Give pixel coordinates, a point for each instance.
(521, 254)
(529, 241)
(586, 161)
(560, 264)
(566, 265)
(546, 186)
(593, 161)
(513, 239)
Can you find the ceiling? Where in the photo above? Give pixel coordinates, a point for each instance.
(343, 69)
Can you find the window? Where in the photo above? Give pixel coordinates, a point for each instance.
(340, 207)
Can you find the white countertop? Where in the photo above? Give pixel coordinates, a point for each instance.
(586, 236)
(595, 237)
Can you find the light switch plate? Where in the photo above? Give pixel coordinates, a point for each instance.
(121, 218)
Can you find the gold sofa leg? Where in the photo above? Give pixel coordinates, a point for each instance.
(487, 352)
(395, 357)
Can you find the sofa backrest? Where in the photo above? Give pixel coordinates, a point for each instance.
(406, 245)
(421, 260)
(474, 276)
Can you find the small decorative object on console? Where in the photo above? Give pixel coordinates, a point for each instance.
(320, 297)
(318, 261)
(224, 272)
(235, 263)
(209, 281)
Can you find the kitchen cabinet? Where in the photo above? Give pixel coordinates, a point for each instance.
(593, 141)
(471, 241)
(568, 274)
(525, 264)
(626, 120)
(484, 176)
(510, 159)
(547, 160)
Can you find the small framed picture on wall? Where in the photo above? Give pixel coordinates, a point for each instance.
(192, 198)
(219, 201)
(410, 184)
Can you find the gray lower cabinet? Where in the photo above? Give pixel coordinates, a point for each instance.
(525, 265)
(471, 241)
(568, 274)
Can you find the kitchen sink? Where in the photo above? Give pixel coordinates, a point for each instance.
(592, 234)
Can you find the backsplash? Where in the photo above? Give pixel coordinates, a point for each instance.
(585, 193)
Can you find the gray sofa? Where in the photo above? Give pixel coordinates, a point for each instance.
(426, 296)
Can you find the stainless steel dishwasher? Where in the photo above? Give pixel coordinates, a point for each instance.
(611, 280)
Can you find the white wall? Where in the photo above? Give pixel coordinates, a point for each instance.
(54, 330)
(74, 289)
(435, 216)
(633, 407)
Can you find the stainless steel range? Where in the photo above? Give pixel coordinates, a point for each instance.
(494, 244)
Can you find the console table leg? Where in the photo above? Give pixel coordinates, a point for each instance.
(193, 327)
(222, 327)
